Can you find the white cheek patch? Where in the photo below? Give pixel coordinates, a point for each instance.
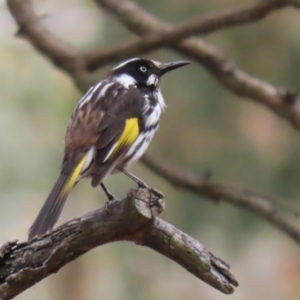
(152, 80)
(126, 80)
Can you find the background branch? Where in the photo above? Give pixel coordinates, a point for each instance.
(132, 219)
(70, 59)
(265, 207)
(200, 26)
(282, 102)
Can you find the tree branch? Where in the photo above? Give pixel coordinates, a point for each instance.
(201, 25)
(281, 101)
(70, 59)
(132, 219)
(262, 206)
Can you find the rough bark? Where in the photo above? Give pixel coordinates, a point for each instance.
(132, 219)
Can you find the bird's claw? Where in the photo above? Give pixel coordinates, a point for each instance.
(108, 204)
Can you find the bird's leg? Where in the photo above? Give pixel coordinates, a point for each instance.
(138, 181)
(142, 184)
(110, 196)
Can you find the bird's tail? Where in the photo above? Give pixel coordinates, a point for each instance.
(53, 205)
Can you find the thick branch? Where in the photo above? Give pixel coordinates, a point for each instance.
(260, 205)
(176, 245)
(132, 219)
(282, 102)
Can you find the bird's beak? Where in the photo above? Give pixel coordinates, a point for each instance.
(172, 66)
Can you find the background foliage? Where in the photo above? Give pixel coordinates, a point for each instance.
(206, 128)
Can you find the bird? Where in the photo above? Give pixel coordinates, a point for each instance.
(111, 127)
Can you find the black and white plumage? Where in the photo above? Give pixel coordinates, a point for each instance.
(110, 128)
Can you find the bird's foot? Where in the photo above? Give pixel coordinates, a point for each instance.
(142, 185)
(109, 203)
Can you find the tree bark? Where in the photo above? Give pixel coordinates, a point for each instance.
(132, 219)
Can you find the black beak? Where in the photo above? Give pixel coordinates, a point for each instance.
(172, 66)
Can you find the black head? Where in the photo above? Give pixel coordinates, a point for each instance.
(144, 72)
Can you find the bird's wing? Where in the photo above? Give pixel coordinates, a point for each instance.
(118, 130)
(107, 120)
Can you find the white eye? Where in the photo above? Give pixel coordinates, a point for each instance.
(143, 69)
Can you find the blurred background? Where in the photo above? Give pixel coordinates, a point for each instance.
(206, 128)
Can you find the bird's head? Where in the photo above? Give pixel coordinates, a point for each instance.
(144, 72)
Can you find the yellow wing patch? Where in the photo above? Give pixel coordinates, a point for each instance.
(127, 138)
(129, 134)
(73, 177)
